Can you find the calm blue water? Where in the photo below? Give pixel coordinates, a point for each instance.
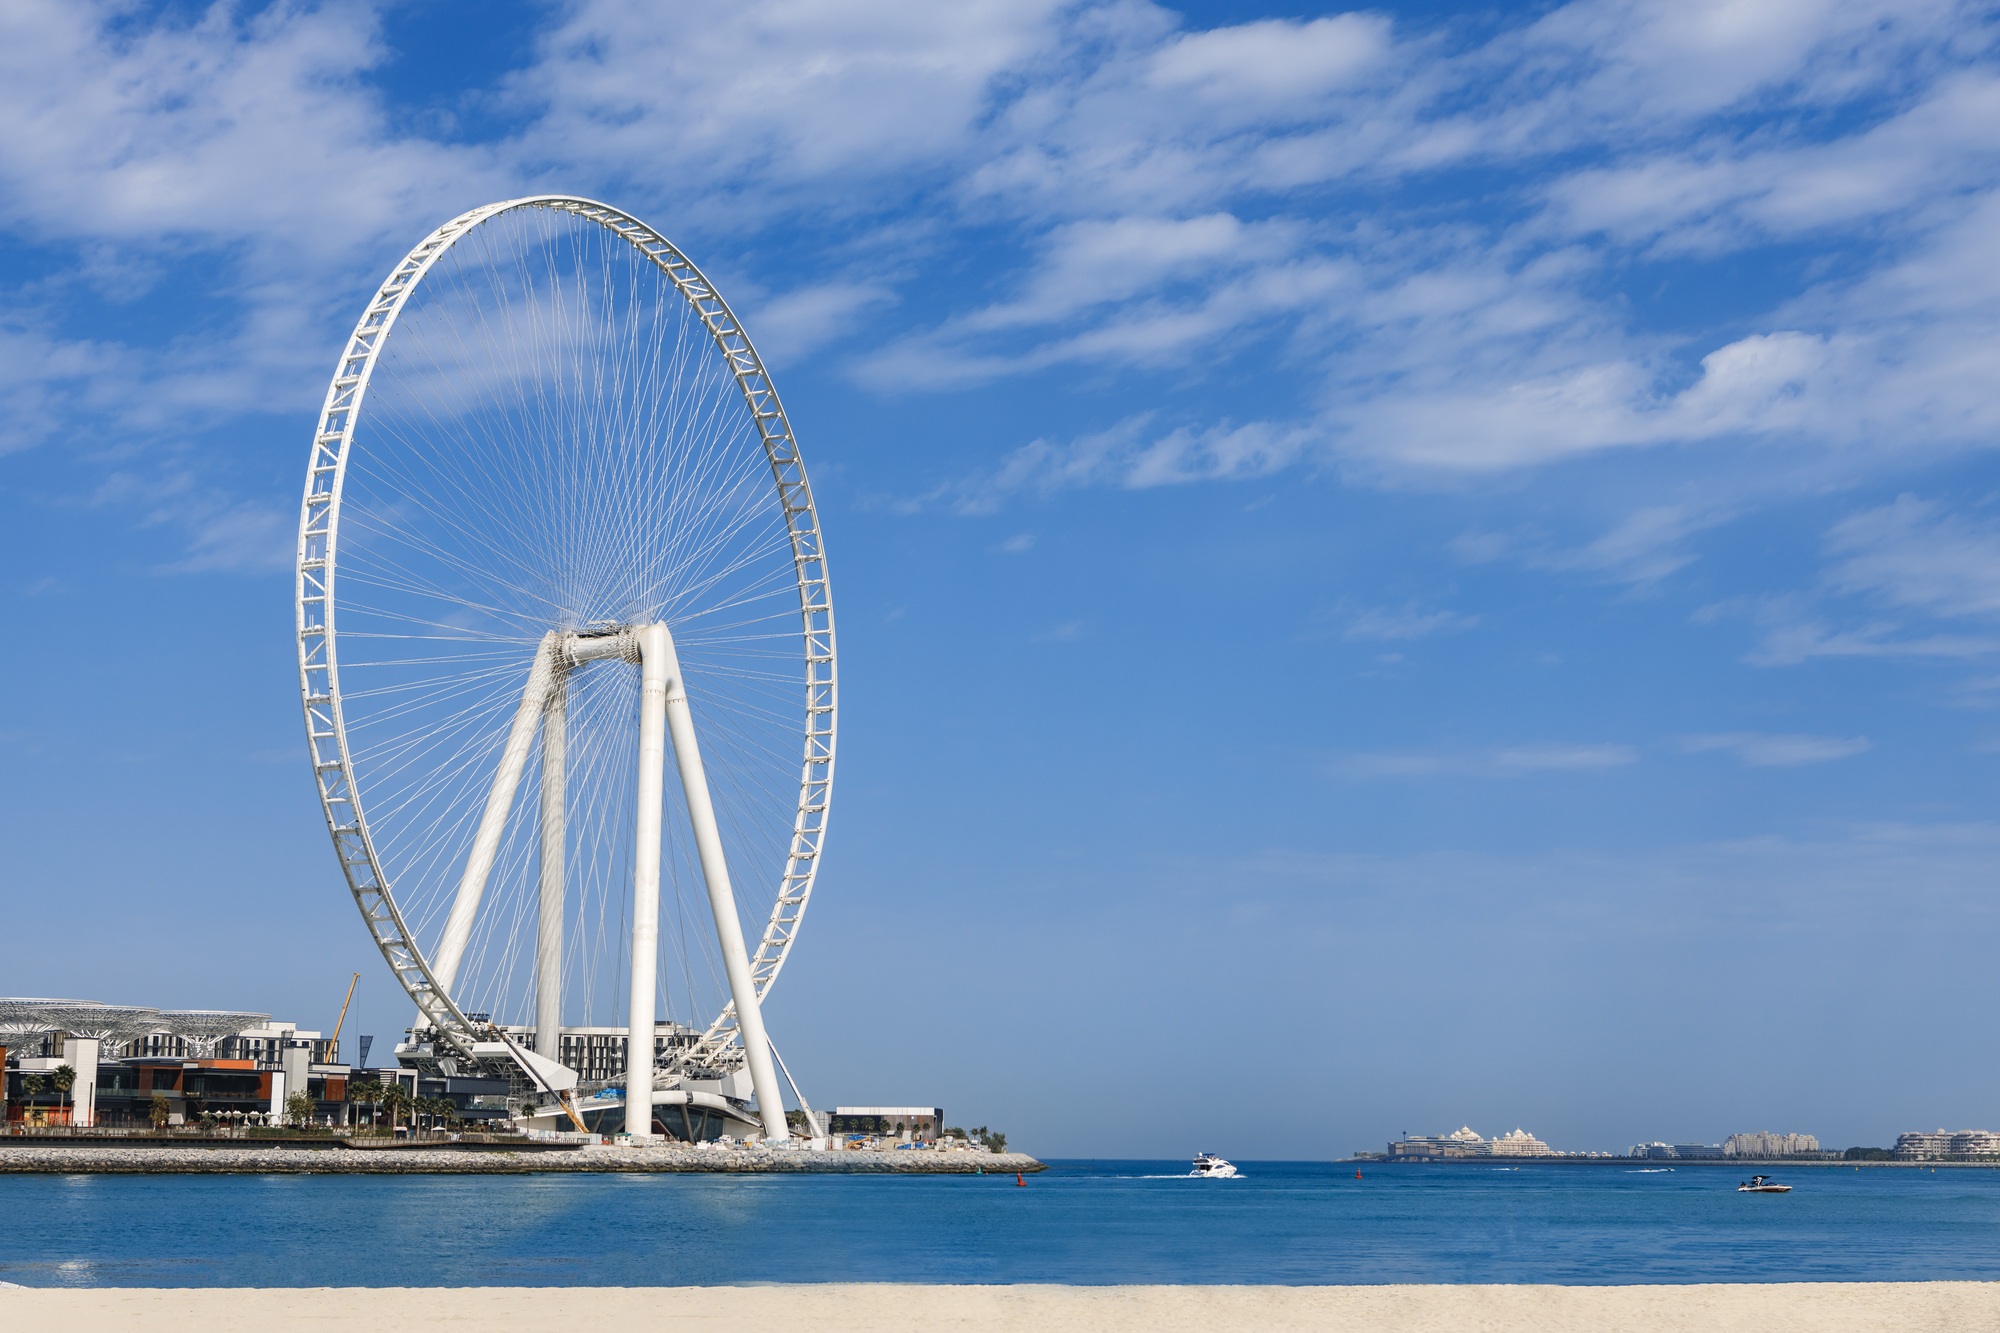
(1081, 1222)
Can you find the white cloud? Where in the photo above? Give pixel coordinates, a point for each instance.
(1510, 761)
(1793, 630)
(1762, 750)
(775, 99)
(796, 323)
(248, 130)
(1168, 191)
(1911, 553)
(1404, 622)
(1914, 563)
(1272, 66)
(1645, 546)
(233, 537)
(1129, 455)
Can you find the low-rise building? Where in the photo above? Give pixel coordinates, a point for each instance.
(912, 1124)
(1460, 1143)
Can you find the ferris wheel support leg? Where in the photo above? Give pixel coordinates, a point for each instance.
(499, 802)
(721, 896)
(655, 663)
(549, 922)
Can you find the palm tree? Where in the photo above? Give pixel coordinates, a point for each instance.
(434, 1110)
(368, 1093)
(65, 1079)
(396, 1099)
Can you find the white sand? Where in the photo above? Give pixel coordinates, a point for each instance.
(1825, 1307)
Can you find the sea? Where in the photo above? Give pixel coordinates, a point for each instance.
(1088, 1222)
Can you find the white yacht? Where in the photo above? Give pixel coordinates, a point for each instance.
(1208, 1165)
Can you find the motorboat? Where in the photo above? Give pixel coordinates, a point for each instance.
(1762, 1185)
(1208, 1166)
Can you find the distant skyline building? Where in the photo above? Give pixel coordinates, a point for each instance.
(1682, 1152)
(1520, 1143)
(1937, 1145)
(1463, 1142)
(1763, 1143)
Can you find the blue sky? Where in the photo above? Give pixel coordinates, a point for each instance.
(1396, 568)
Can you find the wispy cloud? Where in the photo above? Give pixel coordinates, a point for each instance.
(1911, 579)
(1067, 632)
(1508, 761)
(1764, 750)
(1645, 546)
(1408, 621)
(1913, 553)
(234, 538)
(1129, 455)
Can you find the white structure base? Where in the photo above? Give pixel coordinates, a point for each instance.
(80, 1054)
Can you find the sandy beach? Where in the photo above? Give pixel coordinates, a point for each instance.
(1824, 1307)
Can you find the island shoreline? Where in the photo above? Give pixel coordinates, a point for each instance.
(112, 1157)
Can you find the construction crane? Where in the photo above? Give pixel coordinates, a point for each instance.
(333, 1046)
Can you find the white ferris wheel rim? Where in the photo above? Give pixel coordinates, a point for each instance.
(317, 551)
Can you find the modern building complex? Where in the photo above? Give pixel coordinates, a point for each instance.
(82, 1064)
(1942, 1145)
(1463, 1143)
(1679, 1151)
(912, 1124)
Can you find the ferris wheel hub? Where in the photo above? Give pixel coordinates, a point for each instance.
(620, 644)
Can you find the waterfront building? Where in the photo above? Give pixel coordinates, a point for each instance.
(1764, 1144)
(1975, 1143)
(1939, 1145)
(1460, 1143)
(126, 1062)
(912, 1124)
(1924, 1147)
(1658, 1151)
(1520, 1143)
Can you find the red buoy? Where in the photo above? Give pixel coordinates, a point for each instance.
(1020, 1179)
(1357, 1173)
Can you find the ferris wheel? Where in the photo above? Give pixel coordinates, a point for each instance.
(555, 531)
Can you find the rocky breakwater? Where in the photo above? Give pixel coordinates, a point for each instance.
(110, 1158)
